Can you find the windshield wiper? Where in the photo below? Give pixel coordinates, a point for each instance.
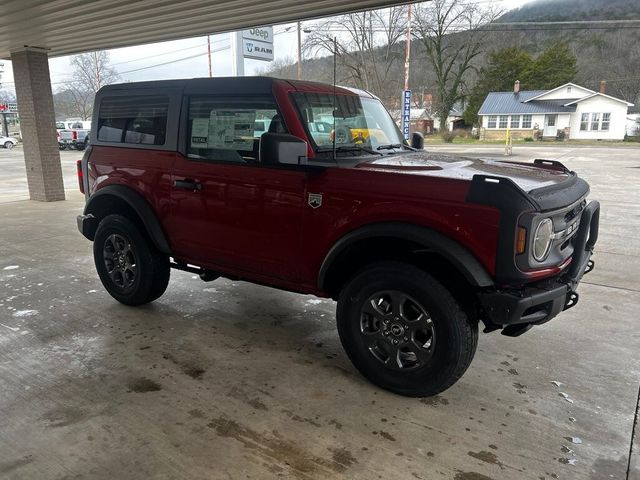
(351, 148)
(391, 146)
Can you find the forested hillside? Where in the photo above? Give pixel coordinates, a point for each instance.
(567, 10)
(606, 51)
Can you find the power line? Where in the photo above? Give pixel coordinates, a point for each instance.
(150, 66)
(173, 61)
(170, 52)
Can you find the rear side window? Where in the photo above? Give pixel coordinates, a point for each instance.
(228, 129)
(138, 120)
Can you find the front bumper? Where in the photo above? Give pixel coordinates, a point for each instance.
(518, 310)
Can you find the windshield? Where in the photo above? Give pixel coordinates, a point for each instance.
(359, 122)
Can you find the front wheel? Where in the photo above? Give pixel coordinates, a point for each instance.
(8, 145)
(130, 268)
(404, 331)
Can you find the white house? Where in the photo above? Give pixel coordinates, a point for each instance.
(570, 110)
(633, 122)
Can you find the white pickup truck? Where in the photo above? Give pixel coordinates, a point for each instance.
(73, 134)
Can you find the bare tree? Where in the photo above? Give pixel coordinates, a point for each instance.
(7, 96)
(91, 71)
(367, 47)
(280, 67)
(449, 31)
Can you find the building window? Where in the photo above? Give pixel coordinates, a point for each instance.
(140, 120)
(504, 121)
(595, 121)
(606, 119)
(526, 121)
(492, 121)
(515, 121)
(569, 89)
(584, 122)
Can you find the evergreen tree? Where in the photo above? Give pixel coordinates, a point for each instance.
(504, 68)
(555, 66)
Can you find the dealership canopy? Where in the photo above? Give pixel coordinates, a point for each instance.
(63, 27)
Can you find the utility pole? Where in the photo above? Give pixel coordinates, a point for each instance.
(299, 53)
(407, 53)
(95, 59)
(209, 54)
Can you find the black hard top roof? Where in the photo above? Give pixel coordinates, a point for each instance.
(221, 84)
(227, 85)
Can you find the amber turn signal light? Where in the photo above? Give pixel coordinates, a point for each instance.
(521, 240)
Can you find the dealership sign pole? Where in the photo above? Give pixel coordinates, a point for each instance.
(406, 114)
(406, 95)
(255, 43)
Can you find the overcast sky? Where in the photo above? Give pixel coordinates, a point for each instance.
(188, 58)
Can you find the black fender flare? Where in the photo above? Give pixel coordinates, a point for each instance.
(463, 260)
(139, 205)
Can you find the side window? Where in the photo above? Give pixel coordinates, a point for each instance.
(139, 120)
(228, 129)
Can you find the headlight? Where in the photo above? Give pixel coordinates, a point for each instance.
(542, 239)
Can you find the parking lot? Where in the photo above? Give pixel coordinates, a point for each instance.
(233, 380)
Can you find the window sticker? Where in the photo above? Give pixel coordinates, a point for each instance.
(231, 130)
(199, 132)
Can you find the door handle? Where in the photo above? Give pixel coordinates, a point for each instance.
(188, 184)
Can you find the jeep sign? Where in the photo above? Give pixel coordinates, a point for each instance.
(261, 34)
(257, 43)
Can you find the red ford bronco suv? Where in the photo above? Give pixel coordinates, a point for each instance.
(309, 188)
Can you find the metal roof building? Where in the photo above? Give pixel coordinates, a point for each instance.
(506, 103)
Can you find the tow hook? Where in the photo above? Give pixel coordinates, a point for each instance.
(572, 300)
(590, 266)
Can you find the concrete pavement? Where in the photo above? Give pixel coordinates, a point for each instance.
(231, 380)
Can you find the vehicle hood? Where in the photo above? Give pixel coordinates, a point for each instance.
(527, 176)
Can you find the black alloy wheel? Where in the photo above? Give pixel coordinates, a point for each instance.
(397, 330)
(120, 261)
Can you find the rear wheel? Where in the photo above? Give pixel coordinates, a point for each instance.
(130, 268)
(404, 330)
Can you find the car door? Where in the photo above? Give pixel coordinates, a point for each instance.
(228, 210)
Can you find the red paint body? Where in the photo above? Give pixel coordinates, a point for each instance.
(253, 222)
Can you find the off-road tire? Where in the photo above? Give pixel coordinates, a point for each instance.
(455, 336)
(151, 276)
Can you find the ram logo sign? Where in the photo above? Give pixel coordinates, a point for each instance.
(257, 43)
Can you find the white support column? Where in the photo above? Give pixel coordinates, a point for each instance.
(237, 66)
(37, 123)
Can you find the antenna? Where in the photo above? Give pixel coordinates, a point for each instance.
(335, 103)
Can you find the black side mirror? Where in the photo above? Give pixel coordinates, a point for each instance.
(417, 140)
(283, 149)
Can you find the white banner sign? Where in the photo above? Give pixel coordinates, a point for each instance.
(257, 50)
